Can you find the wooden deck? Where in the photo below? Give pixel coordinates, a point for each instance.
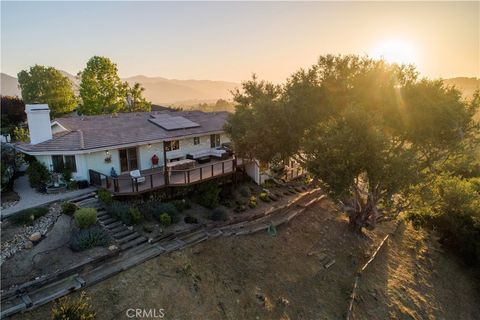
(155, 178)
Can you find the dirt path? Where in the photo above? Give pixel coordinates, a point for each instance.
(250, 277)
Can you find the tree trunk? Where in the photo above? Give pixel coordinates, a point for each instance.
(363, 213)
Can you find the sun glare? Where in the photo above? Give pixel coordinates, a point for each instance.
(395, 51)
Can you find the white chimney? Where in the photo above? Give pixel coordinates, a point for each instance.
(38, 118)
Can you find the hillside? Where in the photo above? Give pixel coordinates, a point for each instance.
(283, 277)
(192, 92)
(464, 84)
(157, 89)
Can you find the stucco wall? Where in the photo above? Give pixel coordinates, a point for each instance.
(96, 160)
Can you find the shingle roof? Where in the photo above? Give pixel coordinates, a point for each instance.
(92, 132)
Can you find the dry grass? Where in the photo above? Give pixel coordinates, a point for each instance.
(260, 277)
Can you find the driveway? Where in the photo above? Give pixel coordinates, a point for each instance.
(30, 198)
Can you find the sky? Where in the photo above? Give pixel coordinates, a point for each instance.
(231, 40)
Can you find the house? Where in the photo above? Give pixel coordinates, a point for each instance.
(131, 153)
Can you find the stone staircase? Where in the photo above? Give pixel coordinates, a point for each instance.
(125, 237)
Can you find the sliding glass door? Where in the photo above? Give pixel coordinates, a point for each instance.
(128, 159)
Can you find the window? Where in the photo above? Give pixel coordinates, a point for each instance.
(172, 145)
(57, 162)
(214, 140)
(70, 163)
(196, 140)
(60, 163)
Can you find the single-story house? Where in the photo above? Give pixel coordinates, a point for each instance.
(166, 147)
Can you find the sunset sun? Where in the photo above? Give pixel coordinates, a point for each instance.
(395, 51)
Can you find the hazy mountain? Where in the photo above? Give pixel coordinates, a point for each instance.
(464, 84)
(157, 89)
(167, 91)
(192, 92)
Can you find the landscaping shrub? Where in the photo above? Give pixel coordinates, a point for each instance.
(85, 217)
(209, 195)
(135, 215)
(165, 219)
(120, 210)
(72, 185)
(147, 228)
(240, 208)
(264, 197)
(38, 175)
(245, 191)
(253, 202)
(84, 239)
(80, 309)
(219, 214)
(27, 216)
(105, 196)
(181, 205)
(191, 220)
(69, 208)
(157, 208)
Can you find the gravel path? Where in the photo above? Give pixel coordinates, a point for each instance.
(30, 198)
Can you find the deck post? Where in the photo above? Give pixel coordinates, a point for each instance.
(133, 186)
(165, 168)
(212, 169)
(136, 185)
(223, 167)
(201, 173)
(188, 176)
(151, 181)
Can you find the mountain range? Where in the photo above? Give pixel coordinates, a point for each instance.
(163, 91)
(158, 90)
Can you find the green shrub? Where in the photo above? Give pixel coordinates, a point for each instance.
(264, 197)
(105, 196)
(147, 228)
(252, 203)
(181, 205)
(155, 209)
(38, 175)
(165, 219)
(80, 309)
(219, 214)
(28, 216)
(69, 208)
(72, 185)
(120, 210)
(67, 175)
(451, 206)
(245, 191)
(84, 239)
(209, 195)
(135, 215)
(85, 217)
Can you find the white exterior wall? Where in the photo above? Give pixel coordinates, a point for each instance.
(96, 160)
(146, 153)
(186, 146)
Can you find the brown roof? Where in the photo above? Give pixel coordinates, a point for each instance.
(92, 132)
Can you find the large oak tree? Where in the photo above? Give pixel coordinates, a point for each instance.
(366, 129)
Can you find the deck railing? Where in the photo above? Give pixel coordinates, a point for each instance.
(155, 180)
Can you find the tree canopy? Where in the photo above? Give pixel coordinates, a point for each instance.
(102, 91)
(42, 84)
(366, 129)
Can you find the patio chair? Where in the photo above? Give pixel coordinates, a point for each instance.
(136, 174)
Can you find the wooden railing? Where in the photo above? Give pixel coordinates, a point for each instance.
(155, 180)
(96, 179)
(203, 172)
(293, 173)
